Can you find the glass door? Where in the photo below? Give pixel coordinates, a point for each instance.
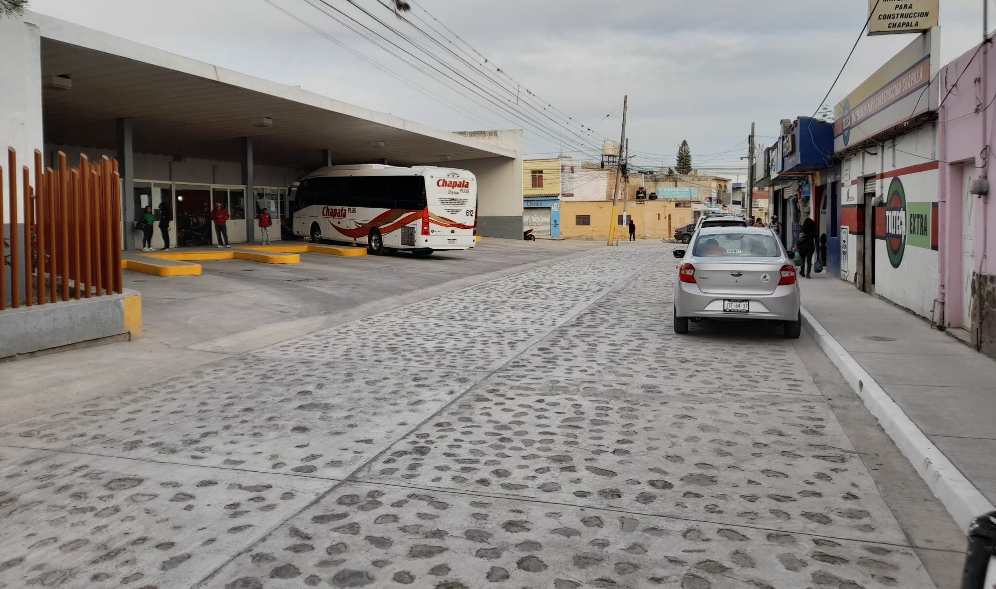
(192, 216)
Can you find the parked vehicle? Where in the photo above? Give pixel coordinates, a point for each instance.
(684, 234)
(421, 209)
(721, 221)
(736, 273)
(528, 235)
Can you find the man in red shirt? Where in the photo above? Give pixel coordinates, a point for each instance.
(264, 225)
(220, 216)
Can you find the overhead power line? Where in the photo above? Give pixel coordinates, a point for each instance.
(855, 46)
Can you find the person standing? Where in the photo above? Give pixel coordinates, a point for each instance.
(632, 230)
(806, 246)
(220, 217)
(165, 218)
(148, 224)
(264, 225)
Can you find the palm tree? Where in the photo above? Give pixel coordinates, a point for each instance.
(16, 7)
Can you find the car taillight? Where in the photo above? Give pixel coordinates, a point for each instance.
(425, 221)
(788, 275)
(686, 273)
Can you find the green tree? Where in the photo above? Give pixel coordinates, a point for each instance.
(12, 7)
(683, 165)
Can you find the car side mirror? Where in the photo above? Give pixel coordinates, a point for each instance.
(679, 254)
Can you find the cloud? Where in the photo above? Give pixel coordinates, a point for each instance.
(700, 71)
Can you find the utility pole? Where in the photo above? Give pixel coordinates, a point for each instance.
(615, 190)
(750, 175)
(625, 191)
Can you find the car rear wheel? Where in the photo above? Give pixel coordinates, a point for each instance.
(680, 323)
(793, 329)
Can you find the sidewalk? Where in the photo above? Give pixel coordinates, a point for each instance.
(945, 388)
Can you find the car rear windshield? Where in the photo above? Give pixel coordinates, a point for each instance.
(736, 244)
(728, 223)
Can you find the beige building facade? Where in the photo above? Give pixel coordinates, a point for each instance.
(655, 219)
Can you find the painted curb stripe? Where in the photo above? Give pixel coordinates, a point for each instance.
(960, 497)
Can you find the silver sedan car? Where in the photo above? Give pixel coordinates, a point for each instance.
(736, 273)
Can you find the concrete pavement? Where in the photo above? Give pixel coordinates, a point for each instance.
(945, 388)
(542, 429)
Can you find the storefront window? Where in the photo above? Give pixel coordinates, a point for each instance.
(143, 198)
(237, 203)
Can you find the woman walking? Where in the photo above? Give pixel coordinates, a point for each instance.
(148, 224)
(806, 246)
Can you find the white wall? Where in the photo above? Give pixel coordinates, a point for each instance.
(914, 284)
(151, 166)
(20, 99)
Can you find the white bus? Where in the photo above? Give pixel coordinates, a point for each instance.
(420, 209)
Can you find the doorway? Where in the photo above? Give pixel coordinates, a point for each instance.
(193, 216)
(867, 273)
(968, 211)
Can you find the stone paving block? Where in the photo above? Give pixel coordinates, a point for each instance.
(90, 522)
(320, 419)
(709, 454)
(363, 535)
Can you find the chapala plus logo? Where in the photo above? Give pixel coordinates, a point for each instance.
(895, 222)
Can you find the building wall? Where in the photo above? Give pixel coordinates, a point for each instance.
(910, 278)
(655, 219)
(551, 177)
(965, 128)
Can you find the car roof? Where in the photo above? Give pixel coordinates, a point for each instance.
(746, 230)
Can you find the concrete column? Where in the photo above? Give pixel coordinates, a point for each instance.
(126, 166)
(326, 157)
(247, 166)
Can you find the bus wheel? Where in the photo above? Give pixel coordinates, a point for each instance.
(316, 233)
(375, 243)
(421, 253)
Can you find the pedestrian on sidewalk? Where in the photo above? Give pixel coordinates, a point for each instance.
(264, 225)
(220, 216)
(632, 230)
(758, 222)
(165, 217)
(806, 246)
(148, 224)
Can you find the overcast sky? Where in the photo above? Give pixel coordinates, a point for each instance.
(695, 70)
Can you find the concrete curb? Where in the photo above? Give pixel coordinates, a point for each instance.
(960, 497)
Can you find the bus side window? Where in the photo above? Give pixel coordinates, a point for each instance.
(408, 192)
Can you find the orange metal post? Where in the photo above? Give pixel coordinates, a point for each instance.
(74, 236)
(108, 229)
(3, 268)
(98, 279)
(86, 251)
(53, 254)
(40, 204)
(29, 206)
(64, 225)
(15, 246)
(116, 220)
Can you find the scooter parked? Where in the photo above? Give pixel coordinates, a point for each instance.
(528, 235)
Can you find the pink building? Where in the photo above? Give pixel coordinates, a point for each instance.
(967, 293)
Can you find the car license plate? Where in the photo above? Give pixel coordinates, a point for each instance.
(736, 306)
(451, 241)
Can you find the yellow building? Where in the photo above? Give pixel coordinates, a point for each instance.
(655, 219)
(541, 178)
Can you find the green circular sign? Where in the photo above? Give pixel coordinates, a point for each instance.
(895, 222)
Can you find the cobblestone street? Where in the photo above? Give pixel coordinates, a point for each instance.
(542, 429)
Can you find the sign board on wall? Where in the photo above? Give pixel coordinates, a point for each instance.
(679, 193)
(891, 17)
(899, 91)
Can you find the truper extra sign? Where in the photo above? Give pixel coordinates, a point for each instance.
(893, 17)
